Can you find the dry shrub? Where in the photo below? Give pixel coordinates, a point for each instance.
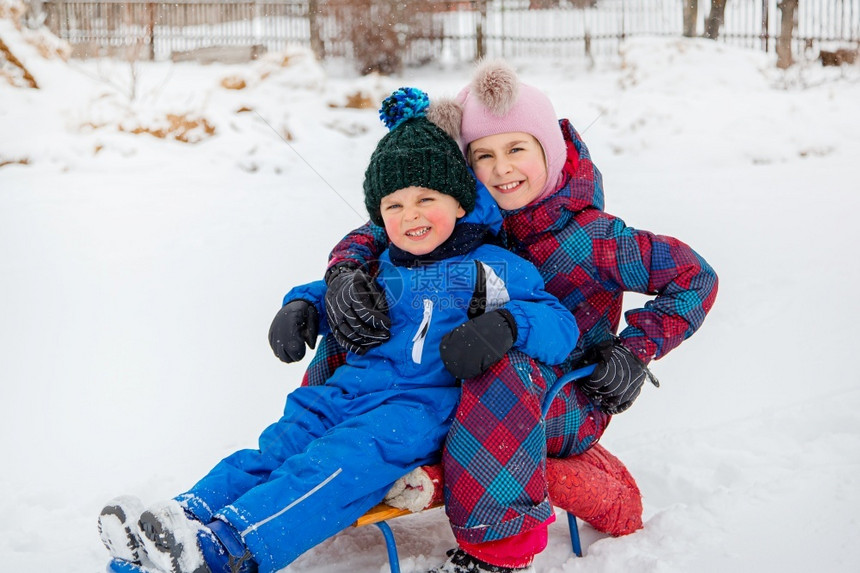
(282, 60)
(179, 127)
(14, 10)
(23, 161)
(356, 100)
(274, 62)
(13, 70)
(838, 57)
(262, 69)
(233, 83)
(48, 45)
(351, 129)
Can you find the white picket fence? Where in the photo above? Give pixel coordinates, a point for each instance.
(508, 28)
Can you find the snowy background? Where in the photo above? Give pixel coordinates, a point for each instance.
(139, 275)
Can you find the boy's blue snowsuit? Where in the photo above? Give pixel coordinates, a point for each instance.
(339, 447)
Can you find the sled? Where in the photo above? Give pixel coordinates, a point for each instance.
(594, 487)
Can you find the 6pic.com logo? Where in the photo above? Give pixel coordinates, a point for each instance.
(451, 284)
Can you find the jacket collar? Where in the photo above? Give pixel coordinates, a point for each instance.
(465, 238)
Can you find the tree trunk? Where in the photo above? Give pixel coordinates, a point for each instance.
(715, 19)
(150, 31)
(691, 15)
(317, 46)
(480, 43)
(788, 9)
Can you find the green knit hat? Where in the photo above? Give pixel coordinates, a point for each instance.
(415, 152)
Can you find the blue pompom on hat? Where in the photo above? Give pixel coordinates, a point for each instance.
(414, 153)
(403, 104)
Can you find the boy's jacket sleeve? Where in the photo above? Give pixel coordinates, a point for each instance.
(361, 247)
(314, 293)
(546, 329)
(685, 286)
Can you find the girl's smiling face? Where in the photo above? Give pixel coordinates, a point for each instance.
(418, 220)
(511, 165)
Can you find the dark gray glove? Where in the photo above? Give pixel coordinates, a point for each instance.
(296, 324)
(474, 346)
(617, 380)
(357, 310)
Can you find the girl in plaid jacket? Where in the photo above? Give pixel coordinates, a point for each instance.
(540, 172)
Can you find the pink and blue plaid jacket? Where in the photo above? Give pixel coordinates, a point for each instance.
(588, 259)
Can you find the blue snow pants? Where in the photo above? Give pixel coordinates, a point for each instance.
(330, 458)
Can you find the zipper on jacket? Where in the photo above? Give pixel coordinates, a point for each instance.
(421, 335)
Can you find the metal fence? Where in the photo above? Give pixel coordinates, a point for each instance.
(156, 30)
(459, 30)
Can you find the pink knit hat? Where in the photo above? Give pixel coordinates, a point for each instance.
(497, 102)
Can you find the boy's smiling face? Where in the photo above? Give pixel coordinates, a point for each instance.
(418, 220)
(511, 165)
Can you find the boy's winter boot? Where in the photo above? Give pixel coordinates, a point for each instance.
(223, 549)
(169, 537)
(118, 528)
(178, 543)
(461, 562)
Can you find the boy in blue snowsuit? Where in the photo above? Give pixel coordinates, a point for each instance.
(340, 447)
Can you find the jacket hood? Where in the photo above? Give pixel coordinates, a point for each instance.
(486, 212)
(580, 178)
(580, 188)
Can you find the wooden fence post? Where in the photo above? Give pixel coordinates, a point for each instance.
(765, 26)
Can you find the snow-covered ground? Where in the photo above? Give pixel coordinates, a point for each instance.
(138, 277)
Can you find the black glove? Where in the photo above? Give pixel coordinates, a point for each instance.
(477, 344)
(618, 377)
(296, 324)
(356, 309)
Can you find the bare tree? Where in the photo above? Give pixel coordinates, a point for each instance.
(543, 4)
(548, 4)
(317, 45)
(715, 19)
(480, 43)
(788, 10)
(380, 31)
(691, 15)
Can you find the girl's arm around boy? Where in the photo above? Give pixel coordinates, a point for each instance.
(514, 312)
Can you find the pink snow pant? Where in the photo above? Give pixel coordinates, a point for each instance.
(495, 453)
